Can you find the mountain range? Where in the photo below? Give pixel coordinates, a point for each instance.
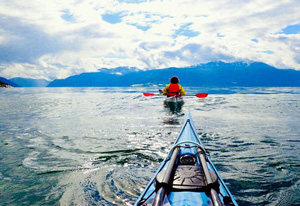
(213, 74)
(25, 82)
(7, 83)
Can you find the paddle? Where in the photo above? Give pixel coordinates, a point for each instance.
(199, 95)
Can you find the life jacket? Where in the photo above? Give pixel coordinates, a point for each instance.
(173, 90)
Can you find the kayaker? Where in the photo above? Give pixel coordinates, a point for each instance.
(174, 88)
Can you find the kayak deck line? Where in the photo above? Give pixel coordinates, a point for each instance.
(186, 176)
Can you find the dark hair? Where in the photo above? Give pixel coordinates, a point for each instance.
(174, 80)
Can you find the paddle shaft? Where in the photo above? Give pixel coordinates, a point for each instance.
(199, 95)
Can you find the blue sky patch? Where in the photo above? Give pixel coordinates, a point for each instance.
(184, 30)
(132, 1)
(267, 52)
(220, 35)
(254, 40)
(113, 18)
(144, 28)
(67, 16)
(292, 29)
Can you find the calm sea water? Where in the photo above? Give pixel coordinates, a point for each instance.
(100, 146)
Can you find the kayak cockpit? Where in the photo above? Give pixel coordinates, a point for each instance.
(187, 176)
(187, 171)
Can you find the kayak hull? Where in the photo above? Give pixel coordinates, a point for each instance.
(187, 176)
(174, 103)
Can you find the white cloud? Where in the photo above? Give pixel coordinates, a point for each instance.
(55, 39)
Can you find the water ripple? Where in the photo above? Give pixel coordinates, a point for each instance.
(100, 146)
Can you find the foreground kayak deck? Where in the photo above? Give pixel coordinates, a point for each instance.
(187, 176)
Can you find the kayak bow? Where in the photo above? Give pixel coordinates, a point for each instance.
(187, 176)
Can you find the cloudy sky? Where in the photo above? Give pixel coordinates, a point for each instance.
(58, 38)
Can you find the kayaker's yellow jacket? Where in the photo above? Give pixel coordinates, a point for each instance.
(181, 90)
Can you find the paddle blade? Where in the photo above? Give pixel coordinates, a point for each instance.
(148, 94)
(201, 95)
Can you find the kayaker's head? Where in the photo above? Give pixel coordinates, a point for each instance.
(174, 80)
